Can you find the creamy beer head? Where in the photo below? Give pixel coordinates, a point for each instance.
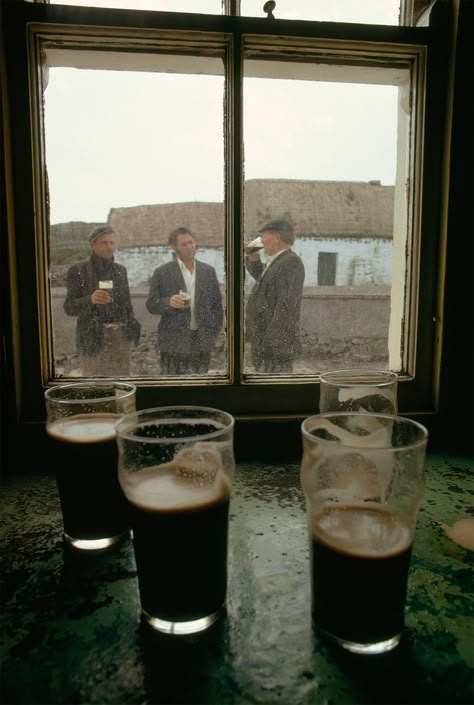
(84, 428)
(193, 479)
(370, 530)
(254, 246)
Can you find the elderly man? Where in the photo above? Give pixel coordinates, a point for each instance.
(185, 293)
(98, 294)
(272, 318)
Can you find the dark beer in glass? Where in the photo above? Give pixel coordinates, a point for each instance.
(360, 561)
(81, 428)
(175, 467)
(363, 478)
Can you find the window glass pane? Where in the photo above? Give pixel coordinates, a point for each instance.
(209, 7)
(359, 11)
(142, 153)
(322, 156)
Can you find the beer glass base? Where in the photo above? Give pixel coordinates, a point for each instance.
(378, 647)
(182, 628)
(94, 544)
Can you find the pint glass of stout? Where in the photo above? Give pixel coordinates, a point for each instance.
(363, 480)
(371, 391)
(185, 298)
(108, 286)
(80, 419)
(176, 466)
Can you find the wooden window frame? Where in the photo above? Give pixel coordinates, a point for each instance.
(25, 249)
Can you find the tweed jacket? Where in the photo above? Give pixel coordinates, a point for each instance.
(174, 332)
(272, 316)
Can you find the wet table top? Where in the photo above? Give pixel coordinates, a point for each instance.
(71, 630)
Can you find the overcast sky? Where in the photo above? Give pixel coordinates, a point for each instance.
(116, 139)
(369, 11)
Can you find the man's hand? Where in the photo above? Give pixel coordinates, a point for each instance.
(253, 257)
(101, 296)
(176, 301)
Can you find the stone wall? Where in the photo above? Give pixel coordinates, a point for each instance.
(345, 326)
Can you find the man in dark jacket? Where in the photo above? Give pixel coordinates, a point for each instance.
(272, 318)
(99, 295)
(186, 295)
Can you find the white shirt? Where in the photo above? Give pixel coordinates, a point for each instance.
(270, 259)
(190, 281)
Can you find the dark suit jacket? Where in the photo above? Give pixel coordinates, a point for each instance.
(81, 280)
(272, 317)
(174, 334)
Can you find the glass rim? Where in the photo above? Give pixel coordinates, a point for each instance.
(157, 412)
(386, 377)
(421, 440)
(127, 387)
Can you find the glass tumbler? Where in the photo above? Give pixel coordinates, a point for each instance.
(176, 466)
(363, 480)
(80, 420)
(372, 391)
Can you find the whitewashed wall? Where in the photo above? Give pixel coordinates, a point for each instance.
(141, 262)
(377, 252)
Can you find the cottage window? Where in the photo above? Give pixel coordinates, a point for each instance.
(327, 262)
(243, 62)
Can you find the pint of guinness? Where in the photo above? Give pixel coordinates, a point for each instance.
(176, 466)
(80, 425)
(362, 475)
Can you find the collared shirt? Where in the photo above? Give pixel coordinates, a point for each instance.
(190, 281)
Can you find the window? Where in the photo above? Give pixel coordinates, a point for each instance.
(327, 262)
(197, 6)
(336, 11)
(244, 64)
(145, 151)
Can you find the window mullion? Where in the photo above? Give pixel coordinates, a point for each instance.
(234, 200)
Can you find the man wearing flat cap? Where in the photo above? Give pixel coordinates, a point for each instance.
(98, 294)
(272, 316)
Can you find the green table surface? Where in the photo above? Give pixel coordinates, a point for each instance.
(71, 629)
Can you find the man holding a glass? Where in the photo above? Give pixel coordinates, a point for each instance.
(272, 319)
(98, 294)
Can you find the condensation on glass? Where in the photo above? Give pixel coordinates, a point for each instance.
(316, 158)
(133, 142)
(140, 141)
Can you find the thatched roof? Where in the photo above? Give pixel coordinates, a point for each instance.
(321, 209)
(151, 225)
(325, 209)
